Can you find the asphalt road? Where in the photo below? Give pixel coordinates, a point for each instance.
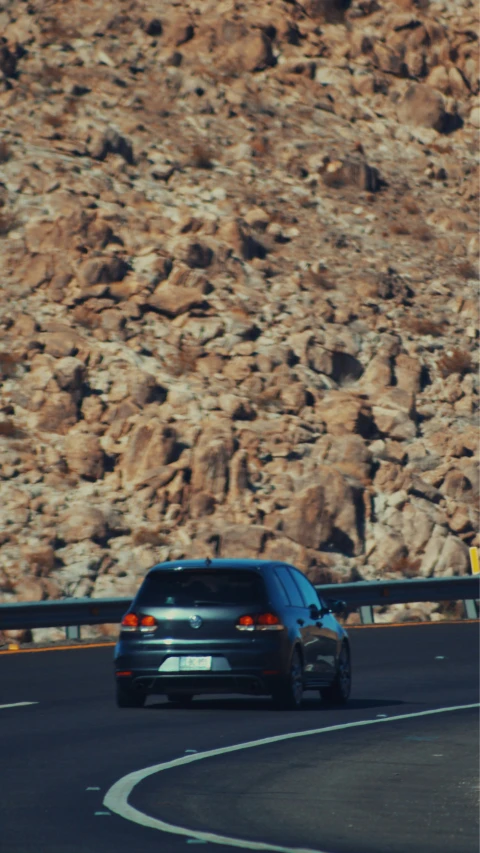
(392, 786)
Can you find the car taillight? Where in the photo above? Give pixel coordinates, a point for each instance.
(130, 622)
(148, 623)
(259, 622)
(268, 619)
(245, 623)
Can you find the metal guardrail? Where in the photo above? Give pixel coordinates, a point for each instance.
(71, 613)
(364, 595)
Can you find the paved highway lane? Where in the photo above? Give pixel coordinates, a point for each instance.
(61, 756)
(404, 786)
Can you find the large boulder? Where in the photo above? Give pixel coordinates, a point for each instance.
(308, 521)
(418, 525)
(347, 453)
(174, 300)
(394, 413)
(387, 546)
(344, 412)
(84, 455)
(423, 106)
(286, 551)
(453, 558)
(238, 479)
(69, 375)
(325, 512)
(247, 540)
(57, 413)
(81, 522)
(110, 141)
(251, 53)
(211, 460)
(150, 447)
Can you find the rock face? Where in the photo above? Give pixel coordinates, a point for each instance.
(238, 315)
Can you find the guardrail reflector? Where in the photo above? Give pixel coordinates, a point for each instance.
(474, 561)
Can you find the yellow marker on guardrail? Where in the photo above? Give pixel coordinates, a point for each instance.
(474, 561)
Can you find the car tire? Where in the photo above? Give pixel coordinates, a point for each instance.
(289, 694)
(338, 691)
(128, 698)
(184, 699)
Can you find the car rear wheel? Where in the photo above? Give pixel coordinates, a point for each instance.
(184, 699)
(289, 695)
(128, 698)
(338, 691)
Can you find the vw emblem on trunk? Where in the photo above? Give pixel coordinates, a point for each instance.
(196, 621)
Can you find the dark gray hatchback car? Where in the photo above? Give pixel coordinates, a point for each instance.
(230, 626)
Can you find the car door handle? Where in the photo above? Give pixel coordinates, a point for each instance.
(300, 622)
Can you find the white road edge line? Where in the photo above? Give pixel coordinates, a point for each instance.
(116, 798)
(18, 704)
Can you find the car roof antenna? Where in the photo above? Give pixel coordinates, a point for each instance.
(208, 562)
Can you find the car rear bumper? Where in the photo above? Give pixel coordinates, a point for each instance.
(247, 683)
(247, 670)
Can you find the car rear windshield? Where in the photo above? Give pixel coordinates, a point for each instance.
(194, 587)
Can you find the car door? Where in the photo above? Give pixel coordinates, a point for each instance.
(322, 634)
(304, 625)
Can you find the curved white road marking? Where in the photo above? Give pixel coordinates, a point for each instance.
(116, 798)
(17, 705)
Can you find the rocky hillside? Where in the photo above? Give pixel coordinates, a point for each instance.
(238, 306)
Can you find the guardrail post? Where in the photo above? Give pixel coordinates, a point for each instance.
(366, 615)
(470, 608)
(72, 632)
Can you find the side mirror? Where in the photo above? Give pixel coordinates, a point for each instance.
(315, 613)
(338, 608)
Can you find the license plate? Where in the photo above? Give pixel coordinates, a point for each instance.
(192, 663)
